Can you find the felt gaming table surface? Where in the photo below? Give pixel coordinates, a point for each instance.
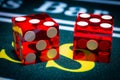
(65, 68)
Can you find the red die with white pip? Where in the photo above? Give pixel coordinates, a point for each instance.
(93, 37)
(36, 36)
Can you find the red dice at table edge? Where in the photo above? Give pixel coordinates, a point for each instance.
(36, 36)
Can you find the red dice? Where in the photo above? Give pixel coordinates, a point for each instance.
(93, 37)
(36, 36)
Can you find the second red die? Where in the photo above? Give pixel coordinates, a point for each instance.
(93, 37)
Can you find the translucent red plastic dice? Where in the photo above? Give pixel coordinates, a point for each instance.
(35, 36)
(93, 37)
